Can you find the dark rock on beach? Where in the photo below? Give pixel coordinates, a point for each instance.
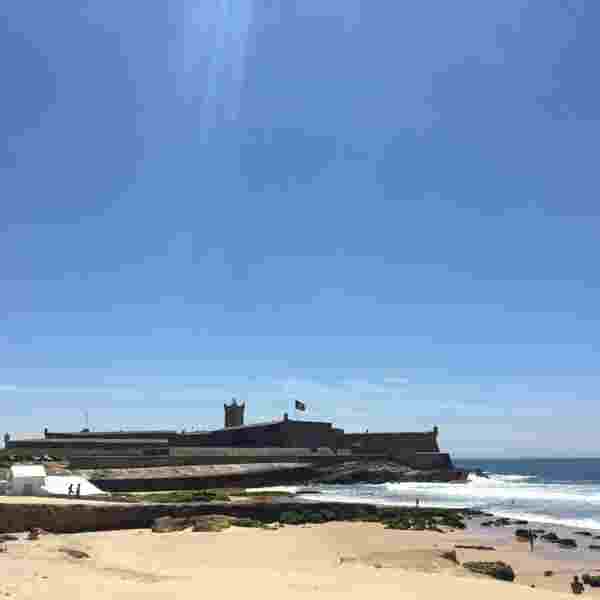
(586, 533)
(551, 537)
(74, 553)
(468, 547)
(591, 580)
(567, 543)
(498, 570)
(594, 547)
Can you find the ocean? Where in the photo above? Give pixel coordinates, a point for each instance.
(561, 492)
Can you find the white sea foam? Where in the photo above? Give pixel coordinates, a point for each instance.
(513, 496)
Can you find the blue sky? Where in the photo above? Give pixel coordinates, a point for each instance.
(387, 210)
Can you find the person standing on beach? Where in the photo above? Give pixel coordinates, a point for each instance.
(78, 490)
(70, 492)
(576, 585)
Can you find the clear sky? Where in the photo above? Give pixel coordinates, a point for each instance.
(388, 210)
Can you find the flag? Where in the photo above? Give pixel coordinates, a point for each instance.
(300, 405)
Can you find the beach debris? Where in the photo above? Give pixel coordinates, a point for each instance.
(550, 537)
(548, 573)
(498, 570)
(3, 548)
(567, 543)
(468, 547)
(74, 553)
(451, 556)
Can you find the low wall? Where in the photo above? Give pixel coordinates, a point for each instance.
(241, 480)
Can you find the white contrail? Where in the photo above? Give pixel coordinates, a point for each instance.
(215, 49)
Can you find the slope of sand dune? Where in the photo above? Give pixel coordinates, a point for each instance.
(349, 560)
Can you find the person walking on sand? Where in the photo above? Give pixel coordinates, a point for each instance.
(70, 492)
(78, 493)
(531, 537)
(576, 585)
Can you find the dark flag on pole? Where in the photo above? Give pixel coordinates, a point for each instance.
(300, 406)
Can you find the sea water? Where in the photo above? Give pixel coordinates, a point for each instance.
(560, 492)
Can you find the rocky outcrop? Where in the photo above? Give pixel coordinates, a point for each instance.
(167, 478)
(74, 518)
(382, 472)
(498, 570)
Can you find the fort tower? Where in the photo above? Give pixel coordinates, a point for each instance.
(234, 414)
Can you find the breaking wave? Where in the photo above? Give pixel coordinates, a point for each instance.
(515, 496)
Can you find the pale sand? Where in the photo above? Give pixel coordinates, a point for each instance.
(349, 560)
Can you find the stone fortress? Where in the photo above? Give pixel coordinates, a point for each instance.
(236, 442)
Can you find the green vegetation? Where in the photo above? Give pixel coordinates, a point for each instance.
(417, 519)
(259, 493)
(182, 496)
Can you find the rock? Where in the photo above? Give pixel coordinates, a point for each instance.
(214, 523)
(594, 547)
(587, 533)
(551, 537)
(451, 556)
(170, 524)
(487, 523)
(382, 472)
(498, 569)
(3, 548)
(591, 580)
(522, 534)
(567, 543)
(35, 533)
(467, 547)
(548, 573)
(521, 522)
(6, 537)
(74, 553)
(539, 531)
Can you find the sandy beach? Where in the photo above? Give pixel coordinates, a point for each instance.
(333, 560)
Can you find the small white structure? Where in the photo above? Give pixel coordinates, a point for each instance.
(26, 480)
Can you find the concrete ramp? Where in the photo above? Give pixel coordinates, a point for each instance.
(58, 485)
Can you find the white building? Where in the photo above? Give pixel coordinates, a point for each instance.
(26, 480)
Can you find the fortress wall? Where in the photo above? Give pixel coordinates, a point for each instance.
(432, 460)
(399, 444)
(250, 452)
